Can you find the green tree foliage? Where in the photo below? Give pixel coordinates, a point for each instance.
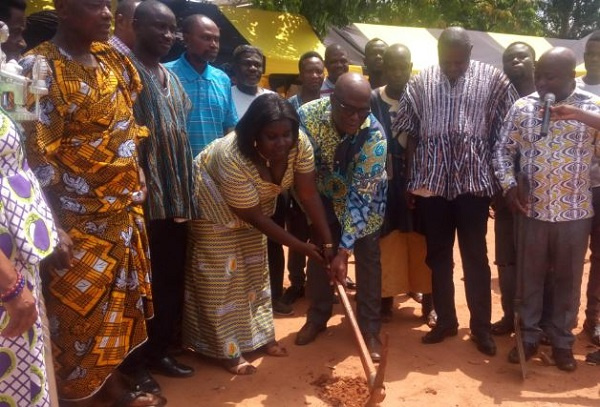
(570, 18)
(513, 16)
(321, 13)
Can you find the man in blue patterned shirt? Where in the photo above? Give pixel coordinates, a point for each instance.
(350, 151)
(213, 112)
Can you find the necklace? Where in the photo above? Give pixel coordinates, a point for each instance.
(268, 162)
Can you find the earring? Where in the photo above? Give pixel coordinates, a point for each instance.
(255, 145)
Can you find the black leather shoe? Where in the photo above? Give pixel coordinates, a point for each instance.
(593, 331)
(291, 294)
(485, 343)
(281, 308)
(308, 333)
(530, 350)
(503, 327)
(593, 358)
(350, 285)
(564, 359)
(168, 366)
(142, 380)
(374, 345)
(438, 334)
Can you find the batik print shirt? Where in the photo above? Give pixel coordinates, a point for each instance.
(456, 128)
(556, 167)
(358, 194)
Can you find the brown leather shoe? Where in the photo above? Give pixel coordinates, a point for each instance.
(308, 333)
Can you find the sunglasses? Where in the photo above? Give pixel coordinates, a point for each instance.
(351, 110)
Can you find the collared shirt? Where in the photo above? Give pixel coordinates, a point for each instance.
(456, 127)
(327, 87)
(595, 170)
(119, 46)
(357, 193)
(213, 111)
(556, 167)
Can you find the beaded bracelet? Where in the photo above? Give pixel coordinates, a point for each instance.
(15, 290)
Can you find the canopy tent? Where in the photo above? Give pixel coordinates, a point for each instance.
(283, 37)
(422, 42)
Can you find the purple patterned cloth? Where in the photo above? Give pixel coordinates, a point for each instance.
(27, 235)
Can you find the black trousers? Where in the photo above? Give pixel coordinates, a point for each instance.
(168, 240)
(275, 252)
(466, 216)
(297, 225)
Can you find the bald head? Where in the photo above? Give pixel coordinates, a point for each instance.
(148, 9)
(352, 84)
(397, 67)
(336, 62)
(124, 21)
(555, 73)
(350, 102)
(202, 39)
(83, 21)
(155, 26)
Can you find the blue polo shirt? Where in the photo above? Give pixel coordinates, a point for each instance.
(213, 111)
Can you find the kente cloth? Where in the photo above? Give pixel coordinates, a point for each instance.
(227, 306)
(166, 155)
(83, 150)
(27, 235)
(455, 125)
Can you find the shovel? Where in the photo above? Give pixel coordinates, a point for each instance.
(374, 376)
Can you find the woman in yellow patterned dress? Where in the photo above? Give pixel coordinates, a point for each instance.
(227, 309)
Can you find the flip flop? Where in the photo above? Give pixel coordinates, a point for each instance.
(275, 349)
(239, 368)
(140, 399)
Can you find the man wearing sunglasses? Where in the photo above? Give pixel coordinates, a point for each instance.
(350, 151)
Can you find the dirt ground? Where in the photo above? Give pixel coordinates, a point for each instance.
(452, 373)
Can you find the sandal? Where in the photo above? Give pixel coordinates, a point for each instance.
(140, 399)
(275, 349)
(239, 366)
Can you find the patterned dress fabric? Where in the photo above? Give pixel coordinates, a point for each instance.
(165, 156)
(403, 251)
(83, 150)
(27, 235)
(227, 309)
(557, 167)
(358, 193)
(456, 125)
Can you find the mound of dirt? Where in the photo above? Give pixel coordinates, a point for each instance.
(342, 391)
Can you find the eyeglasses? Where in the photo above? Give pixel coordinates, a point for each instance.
(352, 110)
